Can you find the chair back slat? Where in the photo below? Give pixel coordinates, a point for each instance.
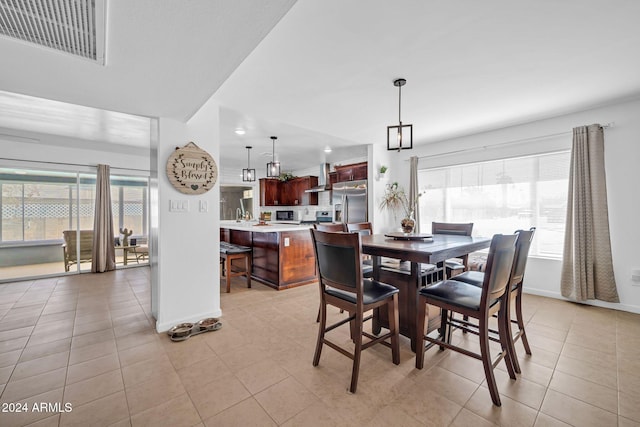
(499, 266)
(458, 229)
(331, 228)
(525, 237)
(338, 259)
(362, 228)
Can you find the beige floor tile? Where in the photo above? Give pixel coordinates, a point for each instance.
(92, 351)
(448, 384)
(92, 338)
(40, 350)
(588, 355)
(40, 365)
(249, 413)
(544, 420)
(31, 416)
(462, 365)
(38, 384)
(427, 407)
(154, 392)
(203, 372)
(139, 353)
(261, 375)
(189, 352)
(466, 418)
(176, 412)
(317, 414)
(214, 397)
(53, 326)
(285, 399)
(630, 406)
(5, 373)
(94, 388)
(9, 358)
(16, 333)
(49, 337)
(532, 371)
(521, 390)
(104, 411)
(511, 413)
(392, 415)
(575, 412)
(586, 391)
(92, 368)
(626, 422)
(603, 375)
(82, 328)
(14, 344)
(146, 370)
(52, 421)
(136, 339)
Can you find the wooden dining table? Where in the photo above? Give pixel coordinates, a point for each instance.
(434, 250)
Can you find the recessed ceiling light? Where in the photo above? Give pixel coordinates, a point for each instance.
(240, 131)
(327, 149)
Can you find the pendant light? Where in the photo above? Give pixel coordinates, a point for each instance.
(248, 174)
(399, 137)
(273, 167)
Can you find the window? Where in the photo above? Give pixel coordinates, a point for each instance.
(39, 205)
(502, 196)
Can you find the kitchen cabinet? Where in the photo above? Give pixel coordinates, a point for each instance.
(353, 172)
(274, 192)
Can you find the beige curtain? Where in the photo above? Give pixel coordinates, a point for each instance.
(587, 268)
(104, 253)
(413, 190)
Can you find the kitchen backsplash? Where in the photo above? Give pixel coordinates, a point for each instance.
(304, 213)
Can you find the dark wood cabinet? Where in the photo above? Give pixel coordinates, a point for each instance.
(274, 192)
(269, 192)
(353, 172)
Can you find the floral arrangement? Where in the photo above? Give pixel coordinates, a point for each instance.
(286, 176)
(395, 199)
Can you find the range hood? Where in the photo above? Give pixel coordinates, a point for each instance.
(323, 180)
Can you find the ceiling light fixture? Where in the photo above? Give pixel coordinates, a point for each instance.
(248, 174)
(273, 167)
(401, 136)
(240, 131)
(327, 149)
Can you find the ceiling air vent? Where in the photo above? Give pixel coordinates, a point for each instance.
(76, 27)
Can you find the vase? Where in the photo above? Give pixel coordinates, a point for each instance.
(408, 224)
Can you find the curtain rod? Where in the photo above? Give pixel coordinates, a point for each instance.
(71, 164)
(507, 143)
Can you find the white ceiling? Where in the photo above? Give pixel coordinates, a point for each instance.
(323, 74)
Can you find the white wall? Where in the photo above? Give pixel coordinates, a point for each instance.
(622, 156)
(185, 276)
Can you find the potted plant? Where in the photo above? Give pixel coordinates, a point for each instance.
(395, 199)
(383, 170)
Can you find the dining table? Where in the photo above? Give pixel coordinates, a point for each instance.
(415, 250)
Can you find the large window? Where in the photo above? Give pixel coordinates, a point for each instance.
(502, 196)
(39, 205)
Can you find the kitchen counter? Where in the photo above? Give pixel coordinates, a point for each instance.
(269, 228)
(282, 254)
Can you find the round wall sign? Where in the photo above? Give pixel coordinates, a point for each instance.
(191, 170)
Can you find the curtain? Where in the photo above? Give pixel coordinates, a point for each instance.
(413, 190)
(104, 253)
(587, 268)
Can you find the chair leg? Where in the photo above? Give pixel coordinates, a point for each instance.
(420, 319)
(322, 313)
(506, 339)
(356, 354)
(486, 361)
(393, 328)
(520, 320)
(228, 275)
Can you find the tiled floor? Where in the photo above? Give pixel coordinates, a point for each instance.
(87, 341)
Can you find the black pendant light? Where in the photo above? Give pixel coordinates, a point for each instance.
(399, 137)
(273, 167)
(248, 174)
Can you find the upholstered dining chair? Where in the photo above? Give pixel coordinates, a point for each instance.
(338, 258)
(454, 266)
(474, 302)
(476, 278)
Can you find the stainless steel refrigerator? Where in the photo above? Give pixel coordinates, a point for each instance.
(350, 201)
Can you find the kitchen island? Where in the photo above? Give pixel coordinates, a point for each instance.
(282, 254)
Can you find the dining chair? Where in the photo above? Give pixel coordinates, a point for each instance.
(479, 303)
(476, 278)
(454, 266)
(342, 285)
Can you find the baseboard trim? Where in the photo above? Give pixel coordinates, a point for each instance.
(595, 303)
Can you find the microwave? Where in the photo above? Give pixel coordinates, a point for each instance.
(284, 216)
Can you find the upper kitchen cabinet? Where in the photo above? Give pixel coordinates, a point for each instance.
(274, 192)
(353, 172)
(269, 192)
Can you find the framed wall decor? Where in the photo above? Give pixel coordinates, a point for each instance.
(191, 170)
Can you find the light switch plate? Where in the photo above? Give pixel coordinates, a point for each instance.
(204, 206)
(178, 206)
